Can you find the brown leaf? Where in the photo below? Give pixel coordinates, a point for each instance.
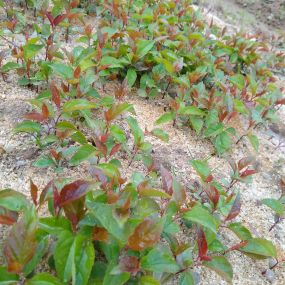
(115, 149)
(235, 210)
(146, 235)
(100, 234)
(77, 72)
(34, 192)
(45, 111)
(75, 211)
(35, 117)
(55, 95)
(129, 264)
(167, 180)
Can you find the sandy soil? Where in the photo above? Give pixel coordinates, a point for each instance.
(17, 154)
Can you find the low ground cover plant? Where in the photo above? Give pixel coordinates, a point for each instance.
(108, 228)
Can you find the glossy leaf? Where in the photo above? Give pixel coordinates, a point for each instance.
(146, 235)
(202, 217)
(235, 210)
(221, 266)
(161, 260)
(259, 248)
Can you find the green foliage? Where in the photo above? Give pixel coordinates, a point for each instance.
(134, 223)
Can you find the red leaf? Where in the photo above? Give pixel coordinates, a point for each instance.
(45, 191)
(58, 19)
(146, 235)
(209, 179)
(115, 149)
(202, 245)
(167, 180)
(55, 154)
(235, 210)
(50, 18)
(77, 72)
(73, 191)
(34, 192)
(55, 95)
(280, 101)
(56, 199)
(8, 217)
(248, 172)
(75, 211)
(212, 193)
(45, 111)
(35, 117)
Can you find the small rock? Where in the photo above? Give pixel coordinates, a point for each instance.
(270, 275)
(20, 163)
(271, 262)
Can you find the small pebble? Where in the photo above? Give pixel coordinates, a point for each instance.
(270, 275)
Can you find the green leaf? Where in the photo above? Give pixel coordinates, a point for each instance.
(201, 168)
(153, 193)
(238, 81)
(43, 279)
(223, 142)
(191, 110)
(78, 104)
(221, 266)
(44, 162)
(28, 127)
(165, 118)
(241, 231)
(148, 280)
(161, 134)
(131, 76)
(186, 278)
(143, 47)
(39, 253)
(105, 215)
(161, 260)
(275, 205)
(74, 257)
(214, 130)
(7, 278)
(259, 248)
(254, 141)
(55, 225)
(83, 153)
(63, 70)
(202, 217)
(197, 123)
(10, 66)
(118, 279)
(31, 50)
(136, 130)
(13, 200)
(240, 106)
